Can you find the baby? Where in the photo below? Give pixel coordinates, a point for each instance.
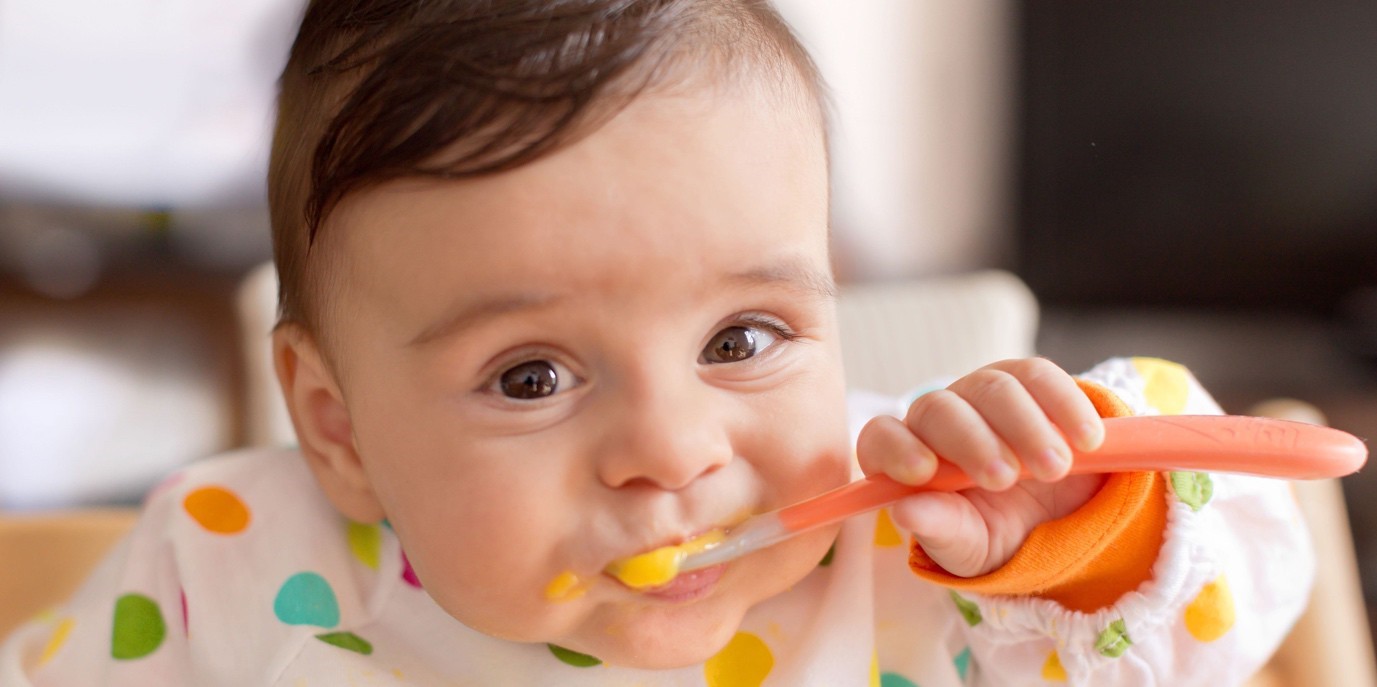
(556, 292)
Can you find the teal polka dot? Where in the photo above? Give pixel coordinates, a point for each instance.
(573, 658)
(896, 680)
(347, 640)
(963, 662)
(138, 627)
(306, 599)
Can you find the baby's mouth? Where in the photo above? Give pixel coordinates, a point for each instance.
(658, 567)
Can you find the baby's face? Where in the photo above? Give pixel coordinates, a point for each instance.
(622, 345)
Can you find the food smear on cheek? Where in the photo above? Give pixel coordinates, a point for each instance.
(658, 567)
(565, 587)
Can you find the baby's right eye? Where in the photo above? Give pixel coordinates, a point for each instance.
(529, 381)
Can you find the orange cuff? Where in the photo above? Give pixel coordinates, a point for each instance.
(1088, 559)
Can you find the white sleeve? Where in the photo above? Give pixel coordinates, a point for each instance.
(1233, 574)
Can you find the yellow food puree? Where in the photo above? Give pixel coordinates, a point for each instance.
(566, 586)
(654, 568)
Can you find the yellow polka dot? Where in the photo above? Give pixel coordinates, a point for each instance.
(60, 634)
(886, 534)
(744, 662)
(217, 509)
(1166, 384)
(1211, 614)
(1052, 670)
(365, 541)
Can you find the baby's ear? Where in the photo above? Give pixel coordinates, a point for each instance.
(322, 423)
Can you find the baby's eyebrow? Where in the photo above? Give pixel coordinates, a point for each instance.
(473, 312)
(793, 273)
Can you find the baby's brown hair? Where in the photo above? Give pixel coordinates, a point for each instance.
(376, 90)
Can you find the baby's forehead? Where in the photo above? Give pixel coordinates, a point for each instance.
(452, 91)
(668, 169)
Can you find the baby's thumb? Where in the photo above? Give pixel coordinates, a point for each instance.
(949, 528)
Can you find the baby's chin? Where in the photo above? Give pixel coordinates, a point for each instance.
(660, 636)
(662, 639)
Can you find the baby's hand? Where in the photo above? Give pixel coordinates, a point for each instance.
(988, 423)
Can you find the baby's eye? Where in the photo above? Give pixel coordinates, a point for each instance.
(531, 380)
(735, 344)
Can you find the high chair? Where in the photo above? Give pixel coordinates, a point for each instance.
(45, 556)
(894, 335)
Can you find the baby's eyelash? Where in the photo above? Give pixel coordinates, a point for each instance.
(776, 326)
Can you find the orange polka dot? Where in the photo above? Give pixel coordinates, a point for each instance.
(217, 509)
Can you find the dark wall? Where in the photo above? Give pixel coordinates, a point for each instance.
(1218, 153)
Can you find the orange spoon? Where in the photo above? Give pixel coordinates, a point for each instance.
(1217, 443)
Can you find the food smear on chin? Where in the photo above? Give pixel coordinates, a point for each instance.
(565, 587)
(658, 567)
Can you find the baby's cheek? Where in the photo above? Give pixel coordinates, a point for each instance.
(487, 569)
(499, 596)
(815, 453)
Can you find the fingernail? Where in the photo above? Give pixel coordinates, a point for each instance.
(1091, 435)
(999, 475)
(1054, 461)
(908, 472)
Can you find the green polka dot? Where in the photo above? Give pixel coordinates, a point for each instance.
(1193, 488)
(963, 663)
(573, 658)
(1114, 640)
(138, 627)
(365, 541)
(896, 680)
(347, 640)
(306, 599)
(969, 610)
(827, 560)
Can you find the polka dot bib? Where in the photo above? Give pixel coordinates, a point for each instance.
(241, 573)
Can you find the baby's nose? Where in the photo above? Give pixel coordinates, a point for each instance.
(664, 440)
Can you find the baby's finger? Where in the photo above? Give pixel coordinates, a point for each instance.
(948, 424)
(1017, 419)
(949, 528)
(886, 446)
(1057, 393)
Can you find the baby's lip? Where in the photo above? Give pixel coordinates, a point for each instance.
(680, 539)
(689, 585)
(656, 568)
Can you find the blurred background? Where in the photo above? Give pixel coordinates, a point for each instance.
(1196, 181)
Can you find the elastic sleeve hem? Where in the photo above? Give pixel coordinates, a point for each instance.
(1084, 561)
